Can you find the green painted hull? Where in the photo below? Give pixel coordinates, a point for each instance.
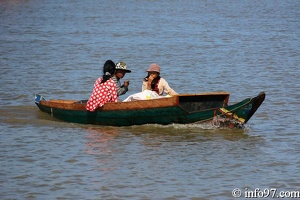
(182, 109)
(119, 118)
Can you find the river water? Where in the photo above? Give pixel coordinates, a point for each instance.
(57, 49)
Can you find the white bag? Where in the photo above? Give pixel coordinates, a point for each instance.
(146, 94)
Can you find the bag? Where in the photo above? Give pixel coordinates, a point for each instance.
(146, 94)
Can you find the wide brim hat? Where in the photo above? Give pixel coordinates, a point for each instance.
(122, 66)
(154, 68)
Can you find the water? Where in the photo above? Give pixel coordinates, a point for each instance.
(58, 48)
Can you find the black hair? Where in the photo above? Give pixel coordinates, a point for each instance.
(154, 81)
(109, 69)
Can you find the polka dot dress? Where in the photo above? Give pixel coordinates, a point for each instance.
(102, 93)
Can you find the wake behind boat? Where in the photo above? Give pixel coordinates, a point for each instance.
(209, 107)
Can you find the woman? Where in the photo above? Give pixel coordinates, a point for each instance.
(155, 83)
(105, 89)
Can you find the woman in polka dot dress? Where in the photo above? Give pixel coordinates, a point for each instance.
(105, 89)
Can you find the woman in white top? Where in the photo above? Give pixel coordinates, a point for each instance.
(154, 82)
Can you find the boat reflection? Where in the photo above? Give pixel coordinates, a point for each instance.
(99, 138)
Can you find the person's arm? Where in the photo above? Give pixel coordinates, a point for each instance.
(144, 86)
(110, 92)
(120, 89)
(114, 94)
(147, 83)
(166, 88)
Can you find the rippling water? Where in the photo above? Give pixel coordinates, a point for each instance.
(58, 49)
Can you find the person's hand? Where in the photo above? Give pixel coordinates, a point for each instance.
(126, 83)
(150, 78)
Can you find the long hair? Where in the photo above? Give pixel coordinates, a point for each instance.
(154, 82)
(109, 69)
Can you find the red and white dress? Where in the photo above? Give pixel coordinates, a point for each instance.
(102, 93)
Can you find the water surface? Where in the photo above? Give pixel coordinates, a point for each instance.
(58, 48)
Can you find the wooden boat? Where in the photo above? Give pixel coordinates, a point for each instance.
(209, 107)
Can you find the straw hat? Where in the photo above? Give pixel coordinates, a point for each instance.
(122, 66)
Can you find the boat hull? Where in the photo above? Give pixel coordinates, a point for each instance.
(181, 109)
